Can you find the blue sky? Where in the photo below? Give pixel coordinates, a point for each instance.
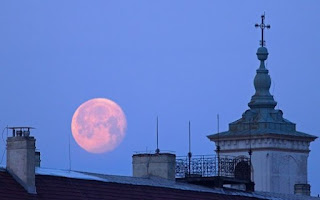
(179, 60)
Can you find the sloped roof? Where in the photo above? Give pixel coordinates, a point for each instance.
(71, 185)
(77, 185)
(10, 189)
(262, 122)
(261, 132)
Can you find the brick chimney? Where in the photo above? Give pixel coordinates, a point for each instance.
(158, 164)
(21, 157)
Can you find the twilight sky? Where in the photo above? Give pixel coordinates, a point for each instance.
(181, 60)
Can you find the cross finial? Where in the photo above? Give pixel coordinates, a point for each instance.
(262, 26)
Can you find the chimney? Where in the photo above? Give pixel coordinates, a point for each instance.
(21, 157)
(159, 164)
(302, 189)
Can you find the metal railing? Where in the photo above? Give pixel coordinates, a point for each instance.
(211, 165)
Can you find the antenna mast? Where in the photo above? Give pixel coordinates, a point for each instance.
(250, 150)
(157, 150)
(189, 154)
(218, 146)
(69, 154)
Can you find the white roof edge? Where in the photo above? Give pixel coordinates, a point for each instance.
(159, 182)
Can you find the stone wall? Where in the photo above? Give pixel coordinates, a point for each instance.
(277, 164)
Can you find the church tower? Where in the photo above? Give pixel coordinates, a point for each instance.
(278, 152)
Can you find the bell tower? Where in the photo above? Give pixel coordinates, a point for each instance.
(279, 153)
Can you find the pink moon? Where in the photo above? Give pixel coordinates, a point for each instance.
(98, 125)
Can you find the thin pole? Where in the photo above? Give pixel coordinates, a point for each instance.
(157, 150)
(250, 149)
(189, 154)
(189, 137)
(218, 146)
(262, 22)
(69, 154)
(157, 133)
(218, 126)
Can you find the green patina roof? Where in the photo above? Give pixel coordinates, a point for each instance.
(260, 132)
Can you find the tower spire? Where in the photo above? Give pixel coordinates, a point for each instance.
(262, 81)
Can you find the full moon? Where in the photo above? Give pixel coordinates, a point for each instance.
(98, 125)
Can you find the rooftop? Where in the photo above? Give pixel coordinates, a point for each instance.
(65, 184)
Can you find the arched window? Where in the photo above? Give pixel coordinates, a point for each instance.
(242, 169)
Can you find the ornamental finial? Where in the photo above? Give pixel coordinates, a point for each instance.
(262, 26)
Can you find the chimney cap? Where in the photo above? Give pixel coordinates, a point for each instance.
(21, 131)
(20, 127)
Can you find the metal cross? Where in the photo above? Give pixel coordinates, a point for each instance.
(262, 26)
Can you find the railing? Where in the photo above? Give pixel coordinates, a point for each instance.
(211, 165)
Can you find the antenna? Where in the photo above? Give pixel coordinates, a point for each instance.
(189, 136)
(250, 150)
(250, 127)
(157, 150)
(69, 154)
(218, 146)
(189, 154)
(218, 127)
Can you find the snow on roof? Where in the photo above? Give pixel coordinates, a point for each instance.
(148, 181)
(160, 182)
(66, 173)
